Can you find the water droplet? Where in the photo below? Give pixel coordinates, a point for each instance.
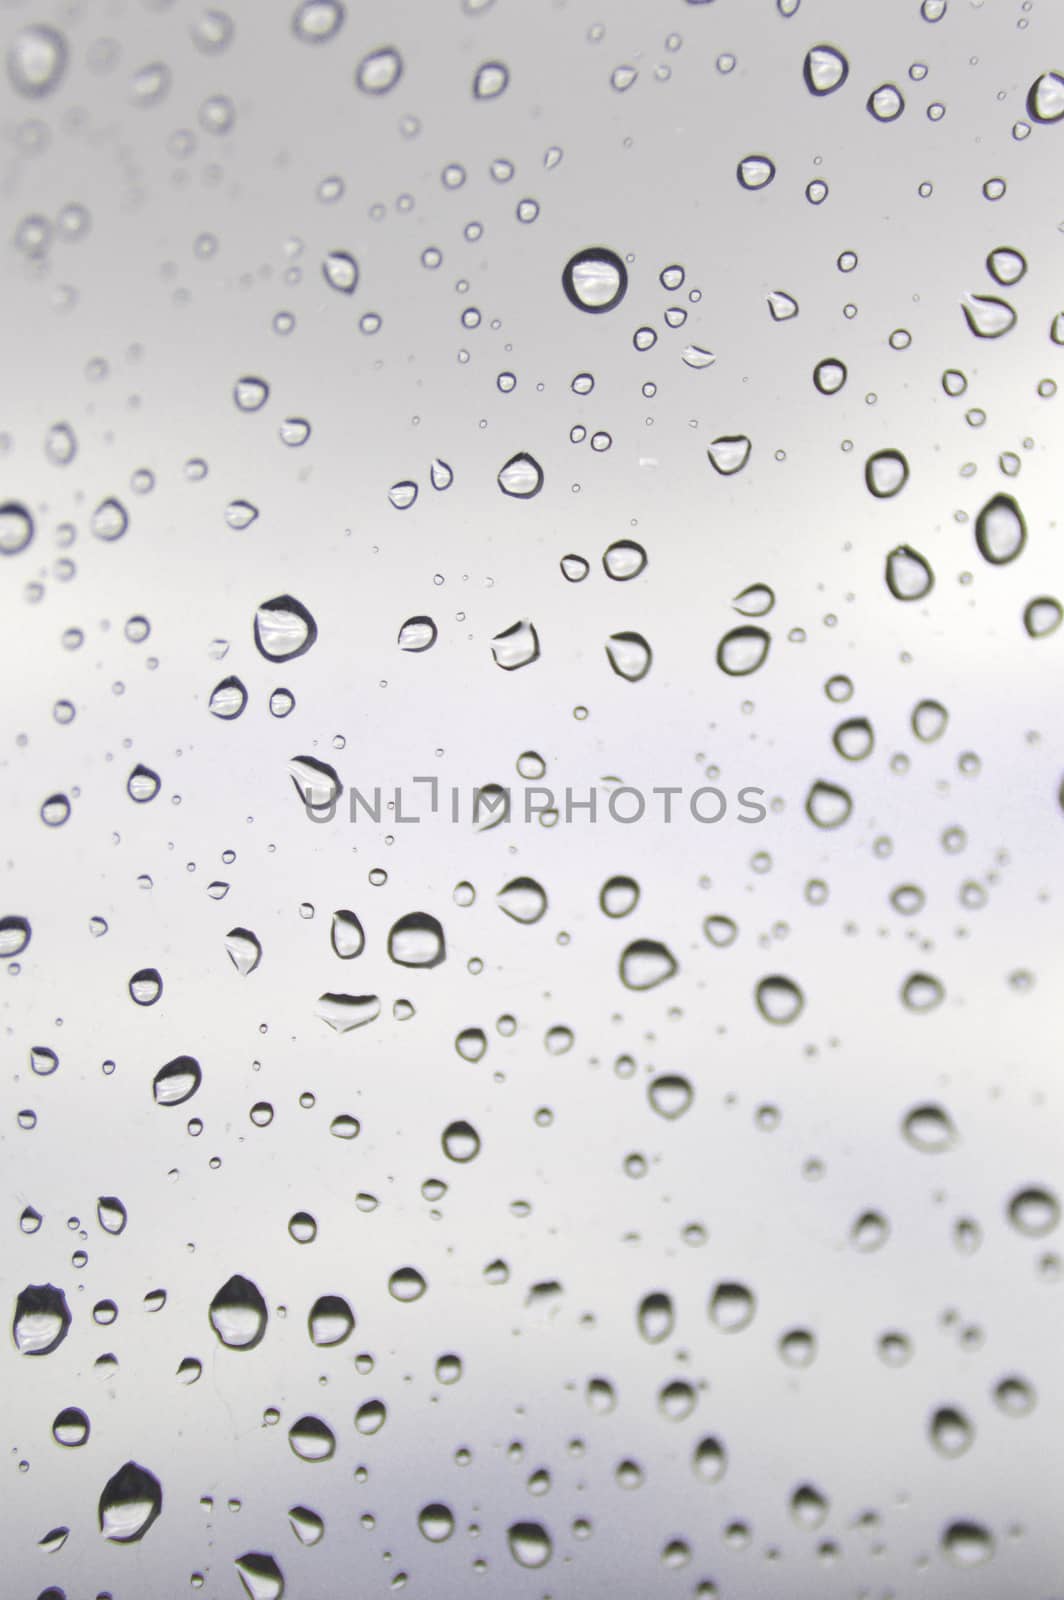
(250, 394)
(870, 1232)
(521, 477)
(619, 896)
(370, 1417)
(624, 560)
(1015, 1397)
(1042, 616)
(1045, 98)
(886, 103)
(440, 474)
(779, 999)
(145, 987)
(402, 495)
(928, 1128)
(435, 1522)
(825, 69)
(42, 1319)
(951, 1432)
(330, 1321)
(908, 574)
(238, 1314)
(177, 1081)
(240, 514)
(516, 646)
(698, 359)
(886, 474)
(37, 60)
(284, 629)
(710, 1460)
(729, 453)
(829, 375)
(312, 1440)
(922, 992)
(228, 699)
(461, 1142)
(129, 1504)
(15, 935)
(111, 1213)
(967, 1544)
(379, 71)
(406, 1285)
(742, 651)
(1006, 266)
(307, 1526)
(530, 1544)
(16, 528)
(110, 520)
(645, 963)
(243, 950)
(417, 634)
(755, 172)
(317, 21)
(348, 938)
(670, 1095)
(71, 1428)
(809, 1508)
(417, 940)
(732, 1307)
(343, 1012)
(316, 783)
(595, 279)
(1000, 531)
(523, 899)
(854, 739)
(629, 655)
(656, 1318)
(260, 1575)
(986, 316)
(781, 305)
(1034, 1212)
(720, 931)
(490, 80)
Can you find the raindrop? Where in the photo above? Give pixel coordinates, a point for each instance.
(886, 474)
(243, 950)
(870, 1232)
(260, 1575)
(827, 805)
(695, 357)
(110, 520)
(129, 1504)
(1006, 266)
(1000, 531)
(645, 963)
(779, 999)
(177, 1081)
(809, 1508)
(928, 1128)
(922, 992)
(406, 1285)
(379, 71)
(521, 477)
(951, 1432)
(37, 60)
(238, 1314)
(145, 987)
(42, 1319)
(317, 21)
(228, 699)
(619, 896)
(440, 474)
(461, 1142)
(417, 634)
(240, 514)
(343, 1012)
(742, 651)
(854, 740)
(71, 1428)
(523, 899)
(435, 1522)
(825, 69)
(284, 629)
(656, 1318)
(402, 495)
(517, 646)
(967, 1544)
(829, 375)
(330, 1321)
(720, 931)
(311, 1439)
(417, 940)
(755, 172)
(781, 305)
(1045, 98)
(1042, 616)
(624, 560)
(886, 103)
(729, 454)
(348, 938)
(1034, 1212)
(710, 1460)
(929, 720)
(307, 1526)
(111, 1214)
(316, 783)
(530, 1544)
(908, 574)
(629, 655)
(595, 279)
(16, 528)
(15, 935)
(490, 80)
(670, 1096)
(250, 394)
(732, 1307)
(986, 316)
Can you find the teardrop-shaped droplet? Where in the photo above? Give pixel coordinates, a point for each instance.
(619, 896)
(595, 279)
(177, 1081)
(417, 634)
(729, 454)
(490, 80)
(1006, 266)
(330, 1321)
(348, 938)
(742, 651)
(523, 899)
(908, 574)
(260, 1575)
(854, 740)
(42, 1319)
(987, 316)
(228, 699)
(129, 1504)
(243, 950)
(37, 60)
(317, 784)
(111, 1214)
(756, 600)
(732, 1307)
(311, 1439)
(284, 629)
(779, 999)
(238, 1314)
(371, 1417)
(929, 720)
(656, 1318)
(403, 494)
(240, 514)
(441, 475)
(825, 69)
(416, 940)
(782, 307)
(645, 963)
(886, 473)
(307, 1526)
(828, 805)
(517, 646)
(1034, 1212)
(142, 784)
(521, 477)
(1000, 530)
(629, 655)
(950, 1431)
(343, 1012)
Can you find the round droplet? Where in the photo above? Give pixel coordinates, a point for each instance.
(435, 1522)
(145, 986)
(371, 1416)
(36, 60)
(595, 279)
(829, 375)
(619, 896)
(406, 1285)
(523, 899)
(317, 21)
(238, 1314)
(710, 1460)
(142, 784)
(720, 931)
(16, 528)
(886, 103)
(645, 963)
(828, 805)
(228, 699)
(461, 1142)
(928, 1128)
(929, 720)
(779, 999)
(402, 495)
(854, 740)
(1006, 266)
(311, 1439)
(530, 1544)
(284, 629)
(967, 1544)
(670, 1095)
(729, 453)
(624, 560)
(1045, 98)
(950, 1431)
(629, 655)
(1042, 616)
(330, 1321)
(521, 477)
(71, 1428)
(490, 80)
(656, 1318)
(755, 172)
(922, 992)
(417, 940)
(1000, 530)
(1034, 1212)
(886, 474)
(732, 1307)
(251, 394)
